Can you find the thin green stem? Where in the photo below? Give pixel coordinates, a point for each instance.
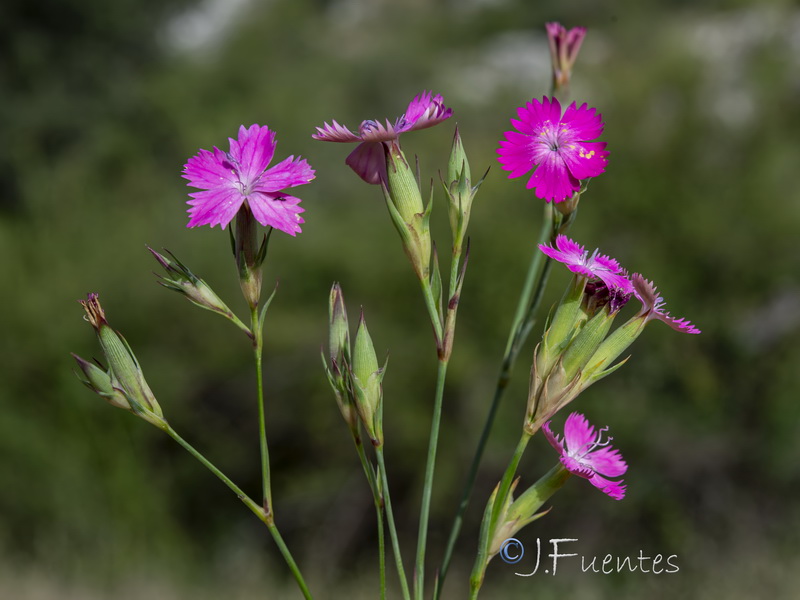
(419, 579)
(248, 502)
(433, 312)
(378, 499)
(287, 556)
(529, 300)
(508, 478)
(259, 511)
(398, 559)
(258, 344)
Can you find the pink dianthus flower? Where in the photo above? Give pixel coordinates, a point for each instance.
(368, 160)
(556, 145)
(585, 454)
(228, 180)
(578, 260)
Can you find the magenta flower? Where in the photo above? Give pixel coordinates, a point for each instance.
(368, 159)
(597, 265)
(564, 47)
(556, 145)
(230, 179)
(585, 454)
(647, 294)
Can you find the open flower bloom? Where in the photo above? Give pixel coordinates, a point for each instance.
(584, 453)
(597, 265)
(230, 179)
(647, 294)
(556, 145)
(368, 159)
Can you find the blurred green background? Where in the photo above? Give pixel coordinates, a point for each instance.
(103, 102)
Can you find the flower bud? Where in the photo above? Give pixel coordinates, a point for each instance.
(366, 378)
(564, 48)
(180, 279)
(99, 381)
(410, 217)
(338, 329)
(125, 375)
(460, 192)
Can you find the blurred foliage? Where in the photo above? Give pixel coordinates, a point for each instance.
(102, 104)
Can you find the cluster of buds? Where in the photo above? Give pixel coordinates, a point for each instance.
(123, 384)
(576, 349)
(354, 376)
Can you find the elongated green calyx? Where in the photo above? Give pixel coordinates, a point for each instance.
(366, 378)
(410, 217)
(523, 511)
(338, 329)
(339, 358)
(249, 255)
(180, 279)
(459, 190)
(124, 375)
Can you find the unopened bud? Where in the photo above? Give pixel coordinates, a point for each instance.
(367, 379)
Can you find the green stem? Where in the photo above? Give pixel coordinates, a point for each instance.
(508, 478)
(419, 579)
(378, 499)
(248, 502)
(398, 559)
(258, 344)
(259, 511)
(529, 300)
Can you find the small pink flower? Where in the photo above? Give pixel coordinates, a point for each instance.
(647, 294)
(585, 454)
(230, 179)
(556, 146)
(597, 265)
(564, 47)
(368, 159)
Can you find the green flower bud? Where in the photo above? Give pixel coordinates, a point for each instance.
(338, 329)
(367, 378)
(99, 381)
(410, 217)
(124, 371)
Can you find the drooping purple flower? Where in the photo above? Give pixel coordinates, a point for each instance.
(597, 265)
(228, 180)
(564, 47)
(368, 159)
(647, 294)
(584, 453)
(556, 145)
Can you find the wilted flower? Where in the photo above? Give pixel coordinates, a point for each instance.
(585, 454)
(578, 260)
(564, 47)
(239, 177)
(556, 145)
(368, 160)
(647, 293)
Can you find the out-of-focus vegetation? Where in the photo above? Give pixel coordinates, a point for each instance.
(102, 102)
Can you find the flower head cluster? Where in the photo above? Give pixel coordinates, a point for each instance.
(556, 145)
(228, 180)
(368, 159)
(647, 294)
(578, 260)
(584, 453)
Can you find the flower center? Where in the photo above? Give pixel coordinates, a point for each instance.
(596, 443)
(554, 135)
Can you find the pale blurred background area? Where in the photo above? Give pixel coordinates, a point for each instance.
(101, 103)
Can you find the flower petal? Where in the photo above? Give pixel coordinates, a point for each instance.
(579, 435)
(555, 442)
(423, 111)
(606, 461)
(368, 160)
(335, 133)
(584, 123)
(253, 151)
(290, 172)
(277, 210)
(585, 159)
(209, 170)
(552, 180)
(614, 489)
(214, 207)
